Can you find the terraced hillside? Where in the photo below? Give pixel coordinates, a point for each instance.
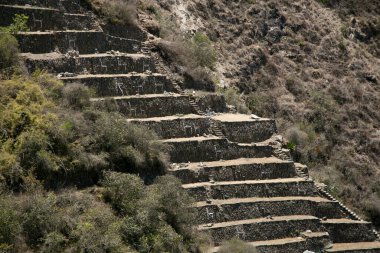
(232, 164)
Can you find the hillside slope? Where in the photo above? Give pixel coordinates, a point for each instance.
(311, 65)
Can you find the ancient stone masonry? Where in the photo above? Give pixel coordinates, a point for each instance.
(233, 165)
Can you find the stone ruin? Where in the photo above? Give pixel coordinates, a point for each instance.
(233, 165)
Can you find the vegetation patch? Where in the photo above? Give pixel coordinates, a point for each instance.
(74, 178)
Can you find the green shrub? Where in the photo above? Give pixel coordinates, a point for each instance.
(236, 246)
(122, 12)
(194, 54)
(98, 231)
(77, 95)
(158, 217)
(305, 144)
(232, 98)
(324, 112)
(10, 225)
(123, 191)
(8, 51)
(262, 104)
(39, 217)
(19, 24)
(61, 145)
(201, 51)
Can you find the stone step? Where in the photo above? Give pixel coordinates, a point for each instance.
(124, 84)
(357, 247)
(279, 227)
(349, 231)
(85, 42)
(252, 188)
(216, 211)
(159, 105)
(177, 126)
(314, 241)
(47, 19)
(105, 63)
(212, 148)
(234, 170)
(244, 128)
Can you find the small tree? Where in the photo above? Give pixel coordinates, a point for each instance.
(19, 24)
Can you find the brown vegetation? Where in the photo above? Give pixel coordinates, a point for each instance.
(311, 65)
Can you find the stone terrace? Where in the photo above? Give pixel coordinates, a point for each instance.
(232, 164)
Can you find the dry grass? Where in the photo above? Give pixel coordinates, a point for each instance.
(313, 67)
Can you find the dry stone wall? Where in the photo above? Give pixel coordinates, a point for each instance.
(243, 182)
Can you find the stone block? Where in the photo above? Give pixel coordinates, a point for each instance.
(344, 230)
(40, 19)
(148, 106)
(241, 169)
(211, 103)
(177, 126)
(242, 128)
(250, 189)
(242, 209)
(212, 149)
(92, 64)
(263, 229)
(86, 42)
(125, 85)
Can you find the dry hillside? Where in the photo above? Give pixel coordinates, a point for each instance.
(311, 65)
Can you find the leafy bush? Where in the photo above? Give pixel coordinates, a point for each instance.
(77, 96)
(123, 191)
(39, 217)
(10, 225)
(157, 218)
(122, 12)
(305, 144)
(8, 51)
(324, 112)
(236, 246)
(19, 24)
(202, 51)
(262, 104)
(194, 55)
(232, 98)
(62, 146)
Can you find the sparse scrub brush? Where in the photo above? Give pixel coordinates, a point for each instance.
(236, 246)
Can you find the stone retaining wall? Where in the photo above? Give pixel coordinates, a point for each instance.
(240, 211)
(213, 150)
(236, 172)
(253, 190)
(147, 107)
(105, 64)
(178, 128)
(47, 42)
(265, 230)
(248, 131)
(126, 86)
(350, 232)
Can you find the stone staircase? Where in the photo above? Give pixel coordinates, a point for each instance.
(243, 182)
